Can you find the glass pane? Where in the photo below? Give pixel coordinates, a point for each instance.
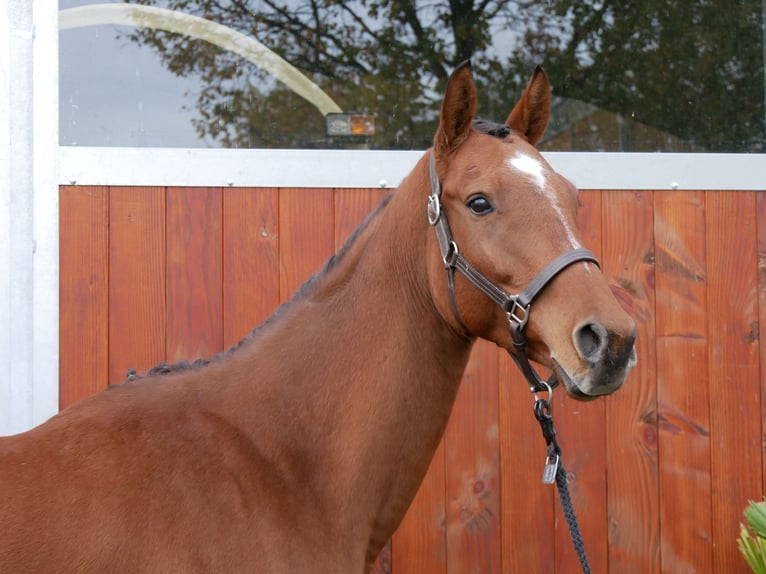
(665, 75)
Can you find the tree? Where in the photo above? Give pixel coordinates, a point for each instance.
(693, 69)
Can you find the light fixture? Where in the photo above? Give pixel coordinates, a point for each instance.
(350, 124)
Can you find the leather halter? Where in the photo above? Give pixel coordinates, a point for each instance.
(516, 307)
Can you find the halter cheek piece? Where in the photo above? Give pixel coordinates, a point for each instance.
(516, 307)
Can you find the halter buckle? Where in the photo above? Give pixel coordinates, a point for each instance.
(518, 313)
(434, 209)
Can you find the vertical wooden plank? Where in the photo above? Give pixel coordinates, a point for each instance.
(137, 311)
(682, 381)
(419, 545)
(194, 275)
(83, 292)
(631, 431)
(526, 505)
(250, 259)
(761, 223)
(473, 468)
(581, 430)
(735, 419)
(351, 207)
(306, 235)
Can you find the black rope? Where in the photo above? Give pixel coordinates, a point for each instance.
(543, 415)
(571, 518)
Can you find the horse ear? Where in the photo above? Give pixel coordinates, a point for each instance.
(531, 113)
(458, 110)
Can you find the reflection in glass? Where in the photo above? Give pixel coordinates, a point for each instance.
(661, 76)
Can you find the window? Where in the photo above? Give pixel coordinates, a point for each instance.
(669, 76)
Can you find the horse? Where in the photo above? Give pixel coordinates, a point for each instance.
(301, 448)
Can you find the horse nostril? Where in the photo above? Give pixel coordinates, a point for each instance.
(590, 341)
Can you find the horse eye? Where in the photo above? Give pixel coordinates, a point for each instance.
(480, 205)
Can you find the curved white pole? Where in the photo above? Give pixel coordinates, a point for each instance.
(196, 27)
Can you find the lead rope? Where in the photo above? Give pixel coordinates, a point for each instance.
(554, 471)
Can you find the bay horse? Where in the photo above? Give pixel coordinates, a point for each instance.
(300, 449)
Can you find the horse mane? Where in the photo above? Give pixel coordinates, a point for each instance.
(307, 288)
(334, 259)
(480, 125)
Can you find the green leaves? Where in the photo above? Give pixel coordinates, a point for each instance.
(756, 517)
(752, 538)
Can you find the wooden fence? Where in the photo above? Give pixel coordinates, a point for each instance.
(660, 472)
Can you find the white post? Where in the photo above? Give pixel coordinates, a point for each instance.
(28, 213)
(5, 216)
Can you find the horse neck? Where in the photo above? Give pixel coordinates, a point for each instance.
(365, 366)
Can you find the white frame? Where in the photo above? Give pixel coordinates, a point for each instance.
(378, 168)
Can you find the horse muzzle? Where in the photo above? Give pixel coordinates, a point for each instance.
(605, 361)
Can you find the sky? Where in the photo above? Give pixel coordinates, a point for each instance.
(116, 93)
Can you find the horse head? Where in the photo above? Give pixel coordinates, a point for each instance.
(510, 215)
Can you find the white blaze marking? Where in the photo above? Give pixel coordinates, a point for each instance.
(536, 172)
(532, 168)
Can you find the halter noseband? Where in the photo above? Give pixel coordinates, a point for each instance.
(516, 307)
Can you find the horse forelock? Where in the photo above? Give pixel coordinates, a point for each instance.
(491, 128)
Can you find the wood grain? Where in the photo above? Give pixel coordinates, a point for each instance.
(83, 292)
(682, 381)
(137, 307)
(250, 259)
(473, 468)
(761, 231)
(194, 275)
(526, 505)
(662, 470)
(351, 207)
(419, 546)
(735, 426)
(631, 430)
(306, 232)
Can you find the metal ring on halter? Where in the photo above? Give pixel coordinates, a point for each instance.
(547, 388)
(449, 257)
